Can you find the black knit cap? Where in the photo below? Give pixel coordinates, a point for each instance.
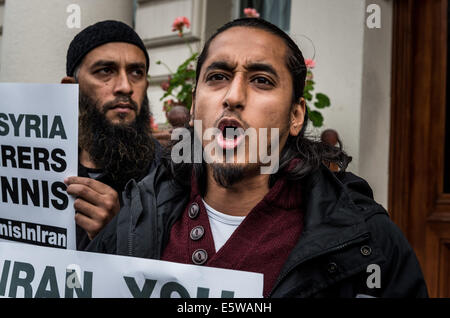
(98, 34)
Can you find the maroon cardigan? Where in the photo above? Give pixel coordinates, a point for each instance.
(260, 244)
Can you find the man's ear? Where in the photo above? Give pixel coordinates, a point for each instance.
(68, 80)
(297, 117)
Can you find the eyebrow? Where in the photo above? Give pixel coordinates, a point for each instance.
(220, 65)
(136, 65)
(252, 67)
(102, 63)
(113, 64)
(262, 67)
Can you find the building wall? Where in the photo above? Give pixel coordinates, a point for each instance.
(154, 24)
(353, 69)
(36, 35)
(336, 29)
(374, 135)
(2, 5)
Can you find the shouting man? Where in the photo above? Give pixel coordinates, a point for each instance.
(110, 63)
(310, 231)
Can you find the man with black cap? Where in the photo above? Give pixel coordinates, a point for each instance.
(110, 63)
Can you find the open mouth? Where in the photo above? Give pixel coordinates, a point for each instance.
(232, 133)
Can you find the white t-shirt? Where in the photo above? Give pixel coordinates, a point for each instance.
(222, 225)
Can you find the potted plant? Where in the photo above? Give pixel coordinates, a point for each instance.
(178, 87)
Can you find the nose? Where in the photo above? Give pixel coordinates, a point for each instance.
(122, 84)
(237, 93)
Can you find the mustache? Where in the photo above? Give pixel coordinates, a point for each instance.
(120, 100)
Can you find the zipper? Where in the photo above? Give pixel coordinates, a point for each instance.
(130, 229)
(130, 240)
(356, 240)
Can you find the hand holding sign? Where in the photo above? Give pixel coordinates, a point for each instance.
(96, 203)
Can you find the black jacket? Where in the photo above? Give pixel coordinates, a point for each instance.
(344, 233)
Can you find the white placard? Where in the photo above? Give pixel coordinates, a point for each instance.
(38, 149)
(32, 271)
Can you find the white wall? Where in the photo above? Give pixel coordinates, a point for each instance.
(375, 104)
(337, 31)
(353, 69)
(1, 24)
(36, 37)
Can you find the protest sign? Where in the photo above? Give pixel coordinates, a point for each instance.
(38, 149)
(33, 271)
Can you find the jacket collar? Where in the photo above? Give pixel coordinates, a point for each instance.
(331, 217)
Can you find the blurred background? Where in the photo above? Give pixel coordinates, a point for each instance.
(378, 75)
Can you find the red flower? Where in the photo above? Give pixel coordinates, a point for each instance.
(310, 63)
(251, 13)
(179, 23)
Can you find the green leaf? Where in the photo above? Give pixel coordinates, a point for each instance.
(308, 96)
(309, 86)
(316, 118)
(186, 63)
(182, 81)
(310, 83)
(184, 95)
(322, 101)
(307, 91)
(190, 74)
(166, 95)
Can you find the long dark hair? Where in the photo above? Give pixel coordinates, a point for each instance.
(311, 152)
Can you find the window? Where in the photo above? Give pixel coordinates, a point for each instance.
(277, 12)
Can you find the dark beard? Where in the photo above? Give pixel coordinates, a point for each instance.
(123, 151)
(226, 175)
